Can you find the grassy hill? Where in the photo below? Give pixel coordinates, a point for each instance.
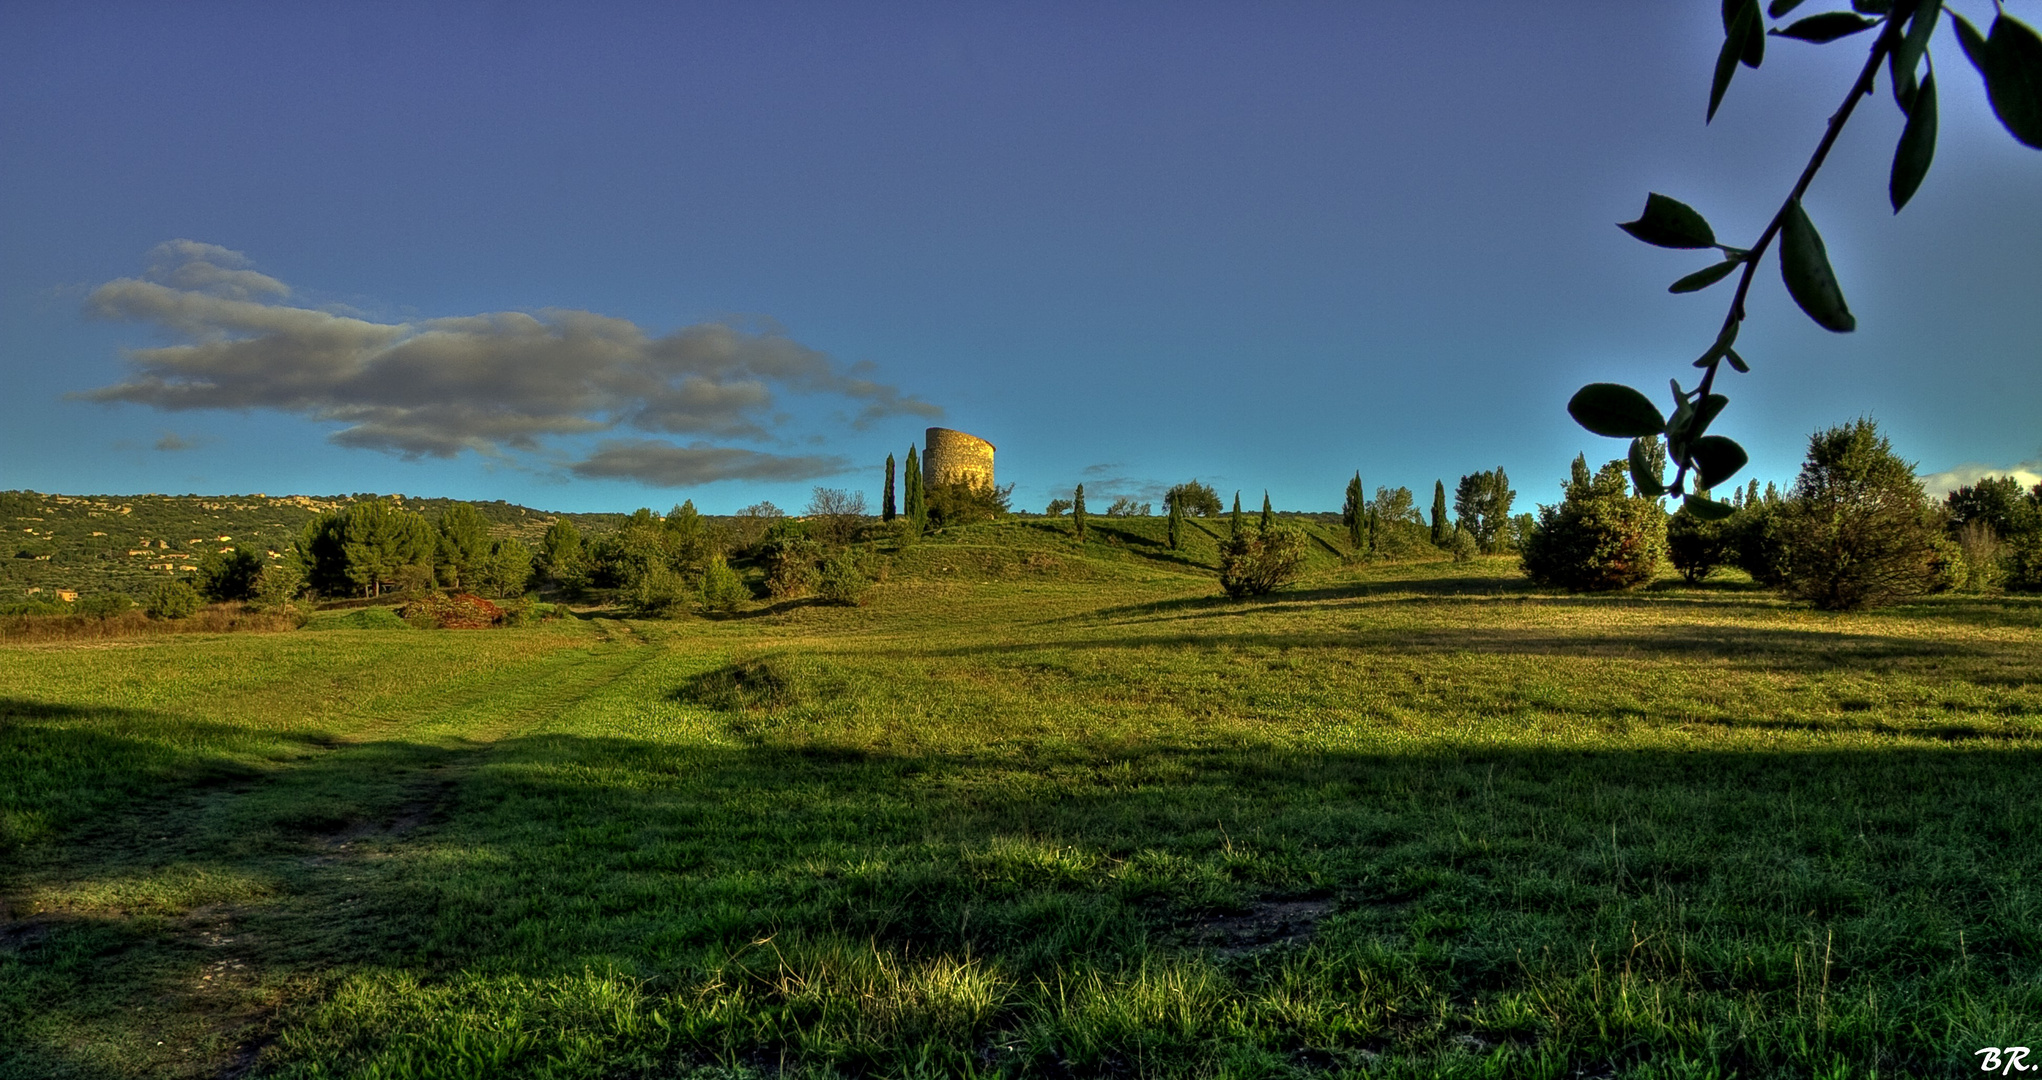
(1038, 809)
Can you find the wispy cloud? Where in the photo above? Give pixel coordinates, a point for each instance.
(2026, 473)
(661, 463)
(172, 442)
(493, 383)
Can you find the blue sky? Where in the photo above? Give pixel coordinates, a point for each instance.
(592, 257)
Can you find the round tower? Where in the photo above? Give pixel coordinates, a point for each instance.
(953, 457)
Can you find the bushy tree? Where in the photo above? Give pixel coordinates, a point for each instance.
(961, 502)
(1129, 506)
(1196, 499)
(366, 548)
(230, 576)
(173, 600)
(1257, 561)
(791, 560)
(1439, 525)
(462, 545)
(1057, 507)
(506, 570)
(722, 589)
(834, 515)
(563, 558)
(279, 583)
(1599, 537)
(751, 526)
(1482, 507)
(1857, 528)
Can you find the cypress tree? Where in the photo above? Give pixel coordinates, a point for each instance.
(1078, 511)
(886, 511)
(1439, 513)
(1350, 513)
(1237, 514)
(915, 508)
(1176, 525)
(1268, 515)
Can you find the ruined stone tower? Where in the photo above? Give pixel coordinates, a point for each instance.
(950, 457)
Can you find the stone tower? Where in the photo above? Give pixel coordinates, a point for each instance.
(950, 457)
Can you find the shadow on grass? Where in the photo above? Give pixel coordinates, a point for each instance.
(560, 854)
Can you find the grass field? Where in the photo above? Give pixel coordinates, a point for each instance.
(1038, 811)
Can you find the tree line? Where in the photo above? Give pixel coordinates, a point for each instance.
(1855, 530)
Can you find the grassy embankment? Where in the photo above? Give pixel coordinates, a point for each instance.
(1038, 811)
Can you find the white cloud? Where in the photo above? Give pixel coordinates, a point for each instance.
(2026, 473)
(492, 383)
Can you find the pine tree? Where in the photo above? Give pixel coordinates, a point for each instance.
(1268, 515)
(1176, 527)
(916, 508)
(1237, 514)
(1439, 513)
(1078, 511)
(886, 511)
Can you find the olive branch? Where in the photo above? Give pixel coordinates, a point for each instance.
(2008, 58)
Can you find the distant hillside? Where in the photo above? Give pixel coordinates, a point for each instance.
(127, 543)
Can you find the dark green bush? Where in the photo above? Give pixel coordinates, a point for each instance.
(1857, 531)
(1255, 561)
(1600, 537)
(174, 600)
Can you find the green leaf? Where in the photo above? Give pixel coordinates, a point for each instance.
(1906, 57)
(1644, 474)
(2014, 78)
(1778, 9)
(1826, 27)
(1715, 459)
(1616, 411)
(1917, 146)
(1737, 361)
(1705, 414)
(1706, 509)
(1670, 223)
(1705, 277)
(1804, 265)
(1975, 48)
(1737, 29)
(1754, 34)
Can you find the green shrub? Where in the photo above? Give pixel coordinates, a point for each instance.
(1255, 561)
(790, 561)
(1600, 537)
(1695, 547)
(722, 588)
(174, 600)
(34, 607)
(104, 605)
(1463, 546)
(842, 580)
(965, 501)
(375, 618)
(658, 593)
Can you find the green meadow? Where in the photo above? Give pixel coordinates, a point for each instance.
(1038, 810)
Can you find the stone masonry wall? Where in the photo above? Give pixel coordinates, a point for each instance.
(949, 457)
